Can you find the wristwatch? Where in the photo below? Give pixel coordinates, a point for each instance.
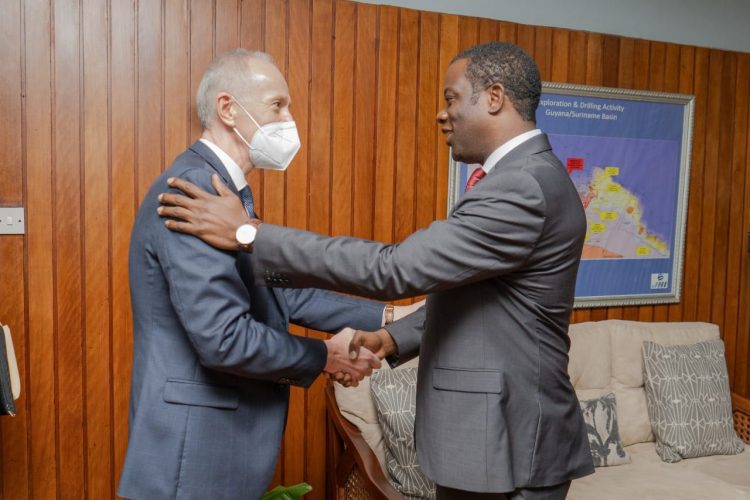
(245, 236)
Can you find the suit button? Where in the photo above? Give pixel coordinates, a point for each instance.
(284, 380)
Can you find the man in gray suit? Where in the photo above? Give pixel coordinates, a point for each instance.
(213, 360)
(497, 416)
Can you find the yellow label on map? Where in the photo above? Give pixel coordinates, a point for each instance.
(587, 236)
(612, 171)
(642, 251)
(607, 215)
(598, 227)
(613, 188)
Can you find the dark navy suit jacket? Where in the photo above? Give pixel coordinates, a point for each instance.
(212, 357)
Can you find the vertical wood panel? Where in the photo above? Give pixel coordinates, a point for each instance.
(343, 118)
(252, 38)
(96, 245)
(98, 99)
(123, 196)
(318, 201)
(276, 33)
(710, 183)
(201, 30)
(177, 95)
(742, 365)
(525, 37)
(365, 101)
(39, 241)
(560, 48)
(67, 241)
(685, 86)
(468, 32)
(487, 29)
(448, 49)
(149, 150)
(427, 131)
(300, 461)
(406, 118)
(385, 139)
(227, 25)
(321, 109)
(543, 51)
(724, 181)
(14, 433)
(695, 207)
(736, 238)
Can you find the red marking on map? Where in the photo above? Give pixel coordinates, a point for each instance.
(575, 164)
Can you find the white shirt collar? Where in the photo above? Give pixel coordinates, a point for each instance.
(234, 170)
(506, 148)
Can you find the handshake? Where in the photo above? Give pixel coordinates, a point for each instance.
(352, 355)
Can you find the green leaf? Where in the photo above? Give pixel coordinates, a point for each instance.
(288, 492)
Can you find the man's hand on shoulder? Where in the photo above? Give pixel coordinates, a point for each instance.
(212, 218)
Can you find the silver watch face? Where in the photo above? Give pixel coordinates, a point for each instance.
(245, 234)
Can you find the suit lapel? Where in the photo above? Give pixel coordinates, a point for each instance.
(537, 144)
(205, 152)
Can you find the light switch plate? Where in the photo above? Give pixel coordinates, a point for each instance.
(12, 220)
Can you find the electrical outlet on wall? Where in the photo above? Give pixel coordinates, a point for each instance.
(12, 220)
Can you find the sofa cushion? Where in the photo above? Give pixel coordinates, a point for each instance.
(395, 395)
(647, 477)
(689, 403)
(605, 356)
(600, 415)
(356, 405)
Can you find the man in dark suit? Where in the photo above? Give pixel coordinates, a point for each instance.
(497, 416)
(213, 359)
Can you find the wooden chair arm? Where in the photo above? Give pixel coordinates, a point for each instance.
(741, 413)
(353, 469)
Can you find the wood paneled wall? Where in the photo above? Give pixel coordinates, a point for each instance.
(96, 100)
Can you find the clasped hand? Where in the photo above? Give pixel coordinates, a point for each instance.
(341, 365)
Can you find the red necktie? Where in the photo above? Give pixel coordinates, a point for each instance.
(475, 177)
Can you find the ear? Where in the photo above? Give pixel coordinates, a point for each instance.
(496, 98)
(225, 109)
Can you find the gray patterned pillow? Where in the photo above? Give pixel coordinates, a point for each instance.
(395, 395)
(600, 416)
(688, 399)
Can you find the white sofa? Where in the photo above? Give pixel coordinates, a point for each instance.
(605, 357)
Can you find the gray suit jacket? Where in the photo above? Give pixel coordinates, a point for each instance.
(496, 409)
(212, 357)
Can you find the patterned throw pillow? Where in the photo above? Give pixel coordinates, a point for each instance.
(688, 398)
(395, 395)
(600, 416)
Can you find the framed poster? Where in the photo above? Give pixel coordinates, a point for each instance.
(628, 154)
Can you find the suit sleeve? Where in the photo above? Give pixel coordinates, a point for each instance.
(330, 312)
(493, 231)
(213, 306)
(407, 334)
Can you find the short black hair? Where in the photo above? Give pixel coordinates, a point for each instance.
(507, 64)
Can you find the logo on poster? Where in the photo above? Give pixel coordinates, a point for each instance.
(659, 281)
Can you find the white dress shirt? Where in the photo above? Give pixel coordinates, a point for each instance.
(234, 170)
(506, 148)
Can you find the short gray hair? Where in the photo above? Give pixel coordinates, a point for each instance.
(228, 72)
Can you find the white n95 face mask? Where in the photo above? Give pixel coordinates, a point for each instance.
(274, 144)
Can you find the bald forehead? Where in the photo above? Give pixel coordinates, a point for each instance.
(264, 75)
